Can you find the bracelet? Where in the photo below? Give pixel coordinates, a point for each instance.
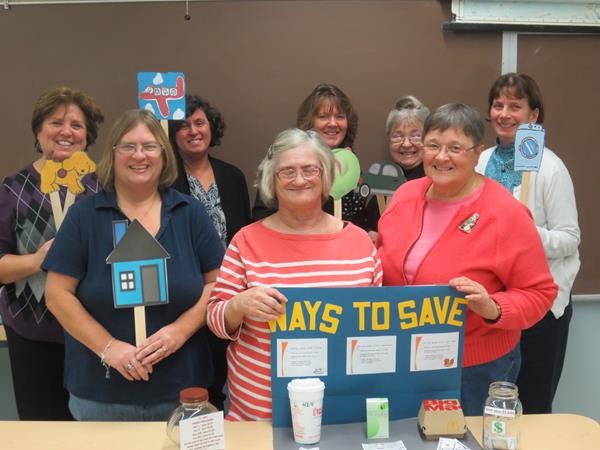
(103, 356)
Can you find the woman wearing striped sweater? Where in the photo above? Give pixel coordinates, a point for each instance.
(300, 245)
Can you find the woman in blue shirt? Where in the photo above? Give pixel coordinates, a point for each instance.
(107, 375)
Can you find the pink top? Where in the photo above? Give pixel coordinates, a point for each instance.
(436, 217)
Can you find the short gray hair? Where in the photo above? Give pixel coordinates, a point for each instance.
(408, 109)
(458, 116)
(287, 140)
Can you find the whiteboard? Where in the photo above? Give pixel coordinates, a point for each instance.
(528, 12)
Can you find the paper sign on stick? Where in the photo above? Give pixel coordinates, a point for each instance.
(67, 173)
(529, 146)
(162, 93)
(139, 272)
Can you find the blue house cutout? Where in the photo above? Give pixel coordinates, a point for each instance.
(139, 267)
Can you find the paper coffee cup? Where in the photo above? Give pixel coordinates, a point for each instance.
(306, 403)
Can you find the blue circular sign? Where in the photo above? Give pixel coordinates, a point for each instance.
(529, 148)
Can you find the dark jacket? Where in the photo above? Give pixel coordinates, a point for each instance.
(233, 191)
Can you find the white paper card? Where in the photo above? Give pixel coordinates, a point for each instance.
(206, 432)
(370, 354)
(397, 445)
(434, 351)
(451, 444)
(301, 357)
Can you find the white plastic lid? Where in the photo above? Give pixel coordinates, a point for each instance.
(306, 385)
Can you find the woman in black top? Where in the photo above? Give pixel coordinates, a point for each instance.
(220, 186)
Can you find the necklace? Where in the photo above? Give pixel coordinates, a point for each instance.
(504, 157)
(145, 214)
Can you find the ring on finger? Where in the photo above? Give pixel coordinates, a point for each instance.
(128, 367)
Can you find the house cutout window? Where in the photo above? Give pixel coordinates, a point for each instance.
(127, 281)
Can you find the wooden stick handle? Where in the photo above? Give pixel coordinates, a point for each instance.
(525, 177)
(381, 203)
(337, 208)
(139, 317)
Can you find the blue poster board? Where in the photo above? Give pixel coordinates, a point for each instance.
(403, 343)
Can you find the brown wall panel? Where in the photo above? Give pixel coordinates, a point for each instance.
(256, 61)
(567, 68)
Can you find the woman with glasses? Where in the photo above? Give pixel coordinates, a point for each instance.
(403, 127)
(64, 121)
(466, 231)
(107, 375)
(220, 186)
(328, 111)
(299, 245)
(515, 99)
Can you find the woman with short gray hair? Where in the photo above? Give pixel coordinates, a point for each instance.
(403, 128)
(459, 228)
(299, 245)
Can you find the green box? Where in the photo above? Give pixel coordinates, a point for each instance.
(378, 419)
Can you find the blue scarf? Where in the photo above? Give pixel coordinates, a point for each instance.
(501, 167)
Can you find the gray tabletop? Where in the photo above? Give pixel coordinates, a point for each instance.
(353, 435)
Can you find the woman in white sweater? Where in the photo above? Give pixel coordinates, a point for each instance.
(515, 99)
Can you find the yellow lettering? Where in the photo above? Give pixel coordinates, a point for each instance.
(281, 322)
(385, 308)
(441, 311)
(408, 319)
(330, 324)
(297, 320)
(312, 312)
(455, 312)
(361, 313)
(426, 313)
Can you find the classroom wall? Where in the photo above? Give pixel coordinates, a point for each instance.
(257, 60)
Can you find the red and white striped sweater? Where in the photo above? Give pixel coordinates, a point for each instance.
(259, 256)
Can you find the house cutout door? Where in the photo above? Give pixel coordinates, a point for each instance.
(150, 286)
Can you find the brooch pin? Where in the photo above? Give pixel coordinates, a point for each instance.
(468, 225)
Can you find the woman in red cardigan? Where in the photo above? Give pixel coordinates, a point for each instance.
(457, 227)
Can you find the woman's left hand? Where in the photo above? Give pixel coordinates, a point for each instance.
(161, 344)
(479, 300)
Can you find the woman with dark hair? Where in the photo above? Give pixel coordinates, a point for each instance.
(515, 99)
(64, 121)
(329, 112)
(458, 228)
(220, 186)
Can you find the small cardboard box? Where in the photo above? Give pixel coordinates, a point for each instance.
(442, 418)
(378, 420)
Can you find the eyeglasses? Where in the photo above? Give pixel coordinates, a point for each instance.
(307, 172)
(415, 139)
(148, 148)
(452, 149)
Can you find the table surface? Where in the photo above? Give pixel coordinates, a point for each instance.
(543, 432)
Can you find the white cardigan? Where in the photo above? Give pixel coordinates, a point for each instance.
(552, 204)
